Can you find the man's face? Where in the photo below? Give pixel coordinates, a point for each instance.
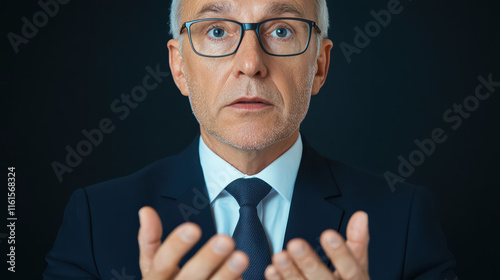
(284, 84)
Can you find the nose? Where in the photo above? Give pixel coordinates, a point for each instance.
(249, 58)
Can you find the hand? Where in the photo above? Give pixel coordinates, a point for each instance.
(350, 258)
(159, 261)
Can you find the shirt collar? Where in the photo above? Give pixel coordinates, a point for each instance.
(280, 174)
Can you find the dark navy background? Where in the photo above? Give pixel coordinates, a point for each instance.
(370, 111)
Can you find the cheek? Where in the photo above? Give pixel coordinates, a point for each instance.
(202, 81)
(205, 89)
(295, 86)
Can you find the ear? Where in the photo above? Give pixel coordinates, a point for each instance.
(175, 61)
(322, 64)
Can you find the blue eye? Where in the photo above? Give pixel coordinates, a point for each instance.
(217, 32)
(281, 32)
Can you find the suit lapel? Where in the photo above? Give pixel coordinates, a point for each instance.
(187, 190)
(310, 211)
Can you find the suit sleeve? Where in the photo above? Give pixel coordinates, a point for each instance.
(72, 255)
(427, 256)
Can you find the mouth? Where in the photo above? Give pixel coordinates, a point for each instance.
(250, 104)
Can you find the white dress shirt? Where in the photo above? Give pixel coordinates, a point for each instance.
(273, 210)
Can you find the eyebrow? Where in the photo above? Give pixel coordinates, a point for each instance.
(274, 8)
(218, 8)
(278, 8)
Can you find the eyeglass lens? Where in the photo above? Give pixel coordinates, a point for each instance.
(219, 37)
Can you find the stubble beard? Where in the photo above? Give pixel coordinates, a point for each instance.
(247, 138)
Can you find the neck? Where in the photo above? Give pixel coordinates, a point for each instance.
(249, 162)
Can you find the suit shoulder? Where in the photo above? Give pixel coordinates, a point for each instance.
(355, 181)
(133, 182)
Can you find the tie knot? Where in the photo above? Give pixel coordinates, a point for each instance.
(248, 191)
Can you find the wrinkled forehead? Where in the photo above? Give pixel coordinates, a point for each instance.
(247, 10)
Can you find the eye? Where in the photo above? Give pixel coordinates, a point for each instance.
(216, 32)
(281, 32)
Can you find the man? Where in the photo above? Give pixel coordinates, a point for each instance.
(280, 210)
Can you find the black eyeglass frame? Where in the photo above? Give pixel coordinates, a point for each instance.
(250, 26)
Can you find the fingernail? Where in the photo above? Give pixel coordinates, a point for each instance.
(221, 246)
(187, 234)
(298, 249)
(356, 234)
(283, 261)
(273, 274)
(236, 263)
(140, 216)
(333, 240)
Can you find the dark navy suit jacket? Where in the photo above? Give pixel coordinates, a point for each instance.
(98, 235)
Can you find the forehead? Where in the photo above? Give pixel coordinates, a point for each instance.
(247, 10)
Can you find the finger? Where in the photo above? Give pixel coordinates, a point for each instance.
(358, 237)
(272, 273)
(234, 266)
(336, 275)
(149, 237)
(176, 245)
(341, 256)
(208, 259)
(306, 259)
(286, 267)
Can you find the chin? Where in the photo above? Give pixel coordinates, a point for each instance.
(252, 139)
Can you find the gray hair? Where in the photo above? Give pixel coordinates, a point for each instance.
(319, 6)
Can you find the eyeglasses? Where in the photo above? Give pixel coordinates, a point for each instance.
(216, 37)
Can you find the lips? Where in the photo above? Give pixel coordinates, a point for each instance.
(244, 100)
(247, 104)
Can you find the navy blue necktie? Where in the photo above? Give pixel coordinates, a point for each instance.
(249, 235)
